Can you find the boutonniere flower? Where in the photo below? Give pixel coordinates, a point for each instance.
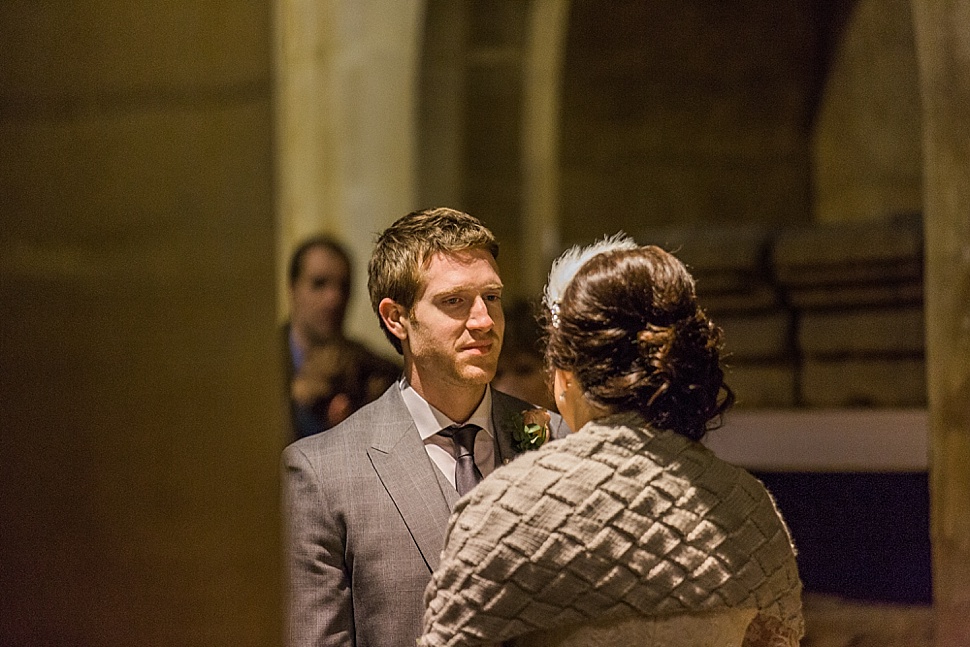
(534, 430)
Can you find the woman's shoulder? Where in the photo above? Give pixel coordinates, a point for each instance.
(561, 472)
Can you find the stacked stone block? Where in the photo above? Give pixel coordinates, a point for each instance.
(856, 292)
(735, 286)
(815, 316)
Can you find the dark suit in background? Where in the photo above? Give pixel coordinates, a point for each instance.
(340, 366)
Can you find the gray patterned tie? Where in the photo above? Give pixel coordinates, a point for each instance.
(467, 474)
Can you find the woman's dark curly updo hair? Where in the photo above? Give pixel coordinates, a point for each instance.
(632, 333)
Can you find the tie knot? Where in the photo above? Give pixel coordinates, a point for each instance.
(463, 437)
(467, 474)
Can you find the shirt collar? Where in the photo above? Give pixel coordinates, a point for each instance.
(430, 421)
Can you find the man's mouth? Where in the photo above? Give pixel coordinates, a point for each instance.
(482, 348)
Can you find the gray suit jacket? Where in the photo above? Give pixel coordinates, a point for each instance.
(366, 512)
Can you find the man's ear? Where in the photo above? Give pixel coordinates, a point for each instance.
(393, 315)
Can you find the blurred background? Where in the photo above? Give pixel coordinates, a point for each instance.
(809, 160)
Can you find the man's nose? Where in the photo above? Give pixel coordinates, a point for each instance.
(332, 294)
(479, 317)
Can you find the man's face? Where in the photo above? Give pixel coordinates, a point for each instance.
(318, 298)
(455, 329)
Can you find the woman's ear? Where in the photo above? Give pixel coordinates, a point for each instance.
(394, 316)
(561, 382)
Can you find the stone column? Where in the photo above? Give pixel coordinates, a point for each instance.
(943, 50)
(346, 75)
(540, 141)
(141, 382)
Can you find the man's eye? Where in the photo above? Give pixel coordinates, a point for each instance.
(453, 301)
(493, 297)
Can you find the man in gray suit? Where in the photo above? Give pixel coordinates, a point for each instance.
(367, 502)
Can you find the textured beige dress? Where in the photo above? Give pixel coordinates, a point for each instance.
(616, 535)
(712, 629)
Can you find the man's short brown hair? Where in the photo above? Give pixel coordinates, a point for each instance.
(406, 247)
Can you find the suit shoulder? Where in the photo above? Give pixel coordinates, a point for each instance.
(356, 431)
(507, 401)
(340, 439)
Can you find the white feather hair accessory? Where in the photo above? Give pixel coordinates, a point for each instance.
(565, 267)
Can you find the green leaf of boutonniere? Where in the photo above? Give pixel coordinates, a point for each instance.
(533, 431)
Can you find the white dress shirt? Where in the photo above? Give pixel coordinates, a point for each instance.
(441, 450)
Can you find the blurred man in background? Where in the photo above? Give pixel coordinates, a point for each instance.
(328, 375)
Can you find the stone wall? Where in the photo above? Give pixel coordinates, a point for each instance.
(820, 316)
(866, 151)
(688, 113)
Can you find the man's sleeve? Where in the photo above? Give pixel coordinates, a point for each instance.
(319, 602)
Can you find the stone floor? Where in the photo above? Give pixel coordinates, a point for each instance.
(835, 622)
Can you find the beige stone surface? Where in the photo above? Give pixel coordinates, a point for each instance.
(659, 130)
(756, 336)
(890, 250)
(867, 154)
(345, 130)
(872, 382)
(886, 331)
(762, 385)
(134, 177)
(117, 51)
(142, 409)
(943, 47)
(831, 621)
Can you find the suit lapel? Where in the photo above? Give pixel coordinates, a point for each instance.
(411, 479)
(506, 415)
(420, 492)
